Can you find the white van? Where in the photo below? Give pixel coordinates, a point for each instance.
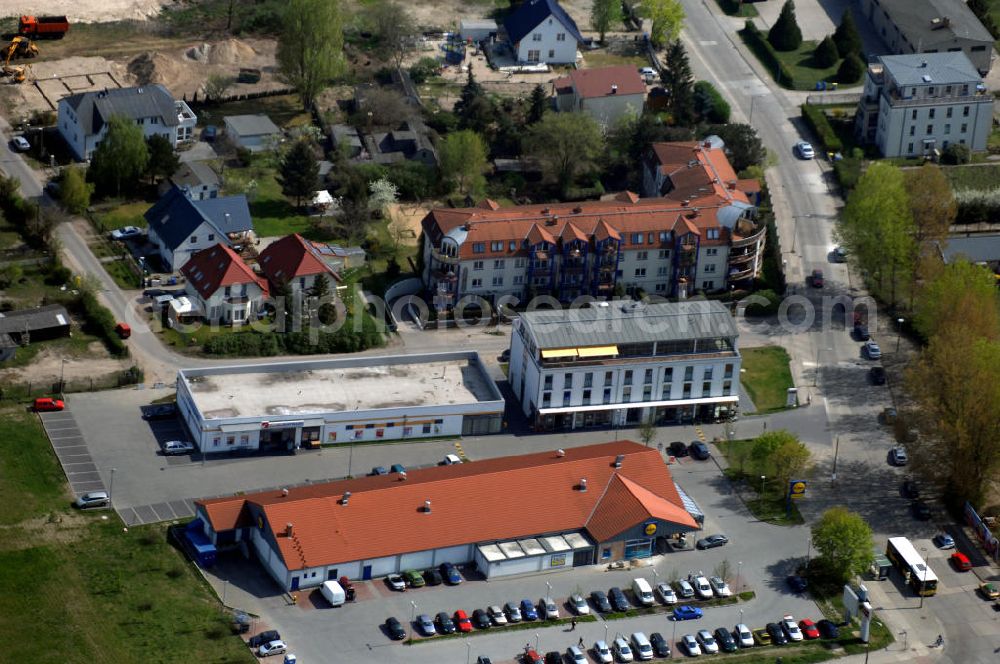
(333, 593)
(641, 646)
(643, 593)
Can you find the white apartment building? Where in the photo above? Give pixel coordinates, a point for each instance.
(621, 362)
(915, 104)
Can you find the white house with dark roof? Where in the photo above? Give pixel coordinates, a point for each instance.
(253, 132)
(83, 117)
(542, 31)
(196, 179)
(225, 288)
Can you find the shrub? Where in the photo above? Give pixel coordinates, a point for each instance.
(244, 156)
(977, 205)
(851, 69)
(709, 104)
(424, 69)
(818, 122)
(762, 48)
(785, 34)
(848, 172)
(826, 54)
(956, 154)
(100, 322)
(758, 309)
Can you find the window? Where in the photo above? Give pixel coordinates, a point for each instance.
(727, 387)
(628, 377)
(707, 374)
(947, 129)
(640, 272)
(478, 247)
(665, 392)
(913, 130)
(664, 236)
(965, 128)
(568, 380)
(637, 238)
(687, 391)
(626, 394)
(607, 379)
(586, 397)
(537, 36)
(930, 129)
(567, 395)
(512, 246)
(607, 395)
(965, 111)
(713, 234)
(546, 399)
(519, 280)
(548, 382)
(668, 374)
(909, 148)
(477, 265)
(561, 36)
(552, 54)
(661, 288)
(728, 372)
(913, 116)
(649, 376)
(520, 262)
(194, 238)
(426, 428)
(641, 255)
(707, 285)
(664, 253)
(477, 283)
(930, 113)
(661, 271)
(499, 264)
(211, 237)
(496, 246)
(688, 373)
(947, 113)
(706, 388)
(498, 281)
(588, 379)
(647, 393)
(710, 267)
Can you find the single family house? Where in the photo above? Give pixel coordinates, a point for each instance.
(410, 142)
(253, 132)
(293, 260)
(606, 94)
(196, 179)
(224, 287)
(542, 31)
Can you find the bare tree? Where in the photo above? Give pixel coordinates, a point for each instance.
(395, 28)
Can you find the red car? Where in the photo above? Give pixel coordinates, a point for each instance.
(532, 657)
(809, 629)
(462, 621)
(47, 404)
(961, 562)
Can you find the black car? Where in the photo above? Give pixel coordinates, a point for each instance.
(909, 490)
(699, 450)
(618, 599)
(159, 411)
(445, 625)
(505, 355)
(450, 574)
(778, 636)
(712, 541)
(553, 657)
(797, 583)
(433, 577)
(395, 629)
(481, 619)
(725, 640)
(264, 637)
(660, 646)
(877, 375)
(483, 659)
(827, 629)
(861, 332)
(678, 449)
(600, 601)
(920, 510)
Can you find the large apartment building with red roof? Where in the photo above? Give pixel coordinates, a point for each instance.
(602, 503)
(697, 233)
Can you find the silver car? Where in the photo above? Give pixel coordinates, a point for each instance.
(666, 593)
(603, 653)
(496, 615)
(551, 610)
(720, 587)
(93, 499)
(272, 648)
(579, 605)
(172, 447)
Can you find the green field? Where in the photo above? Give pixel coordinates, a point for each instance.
(766, 377)
(80, 588)
(805, 74)
(964, 178)
(770, 504)
(119, 216)
(273, 215)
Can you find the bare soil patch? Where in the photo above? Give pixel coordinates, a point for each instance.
(86, 11)
(48, 366)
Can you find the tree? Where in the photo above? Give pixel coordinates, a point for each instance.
(679, 81)
(826, 54)
(163, 161)
(216, 87)
(326, 312)
(932, 204)
(394, 28)
(850, 69)
(709, 104)
(844, 542)
(474, 109)
(538, 103)
(74, 190)
(782, 452)
(846, 37)
(785, 34)
(463, 161)
(667, 17)
(647, 431)
(956, 154)
(383, 107)
(121, 158)
(424, 69)
(961, 293)
(299, 172)
(381, 194)
(604, 14)
(565, 144)
(877, 227)
(311, 46)
(982, 11)
(743, 146)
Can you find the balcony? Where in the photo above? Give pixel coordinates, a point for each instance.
(736, 259)
(441, 257)
(758, 234)
(741, 274)
(445, 275)
(541, 254)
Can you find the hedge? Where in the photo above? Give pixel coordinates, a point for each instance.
(100, 322)
(757, 41)
(344, 340)
(817, 120)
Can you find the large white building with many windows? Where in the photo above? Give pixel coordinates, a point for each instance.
(622, 362)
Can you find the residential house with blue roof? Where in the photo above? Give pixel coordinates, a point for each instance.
(180, 227)
(542, 31)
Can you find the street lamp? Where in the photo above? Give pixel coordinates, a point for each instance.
(536, 641)
(111, 486)
(605, 632)
(673, 641)
(899, 332)
(548, 587)
(468, 652)
(762, 478)
(413, 610)
(739, 579)
(62, 373)
(741, 616)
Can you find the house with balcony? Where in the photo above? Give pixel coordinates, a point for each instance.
(917, 105)
(621, 362)
(542, 31)
(295, 262)
(931, 26)
(222, 286)
(84, 116)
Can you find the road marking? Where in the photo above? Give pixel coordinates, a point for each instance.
(701, 434)
(708, 42)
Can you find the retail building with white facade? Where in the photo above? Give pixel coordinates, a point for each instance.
(621, 362)
(290, 405)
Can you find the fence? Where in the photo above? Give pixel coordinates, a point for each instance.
(990, 543)
(32, 389)
(834, 99)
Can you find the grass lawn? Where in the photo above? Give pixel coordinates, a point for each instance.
(805, 74)
(67, 347)
(604, 58)
(771, 505)
(273, 215)
(766, 377)
(79, 587)
(122, 273)
(964, 178)
(32, 291)
(119, 216)
(738, 8)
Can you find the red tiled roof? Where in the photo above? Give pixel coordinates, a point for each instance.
(696, 170)
(291, 257)
(216, 267)
(598, 82)
(324, 531)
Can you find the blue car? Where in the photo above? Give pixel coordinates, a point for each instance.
(528, 610)
(687, 613)
(450, 574)
(379, 470)
(397, 468)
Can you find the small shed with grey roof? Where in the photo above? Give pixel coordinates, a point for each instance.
(253, 132)
(980, 248)
(196, 179)
(477, 29)
(19, 328)
(345, 137)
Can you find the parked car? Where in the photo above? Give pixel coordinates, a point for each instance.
(433, 577)
(960, 561)
(701, 586)
(445, 624)
(600, 601)
(666, 593)
(20, 143)
(504, 356)
(762, 637)
(553, 657)
(48, 404)
(699, 450)
(159, 411)
(720, 587)
(547, 605)
(648, 74)
(661, 648)
(425, 625)
(804, 150)
(395, 629)
(778, 636)
(678, 449)
(861, 332)
(414, 579)
(378, 470)
(808, 628)
(685, 589)
(395, 582)
(462, 622)
(483, 659)
(877, 375)
(642, 649)
(921, 511)
(579, 604)
(707, 642)
(532, 657)
(791, 628)
(686, 612)
(888, 416)
(828, 629)
(690, 645)
(173, 447)
(450, 574)
(839, 254)
(618, 599)
(126, 233)
(910, 490)
(871, 350)
(497, 615)
(272, 648)
(989, 590)
(622, 650)
(257, 640)
(528, 611)
(897, 456)
(712, 541)
(603, 653)
(575, 655)
(481, 619)
(743, 636)
(451, 460)
(816, 279)
(397, 468)
(93, 499)
(797, 583)
(513, 612)
(944, 541)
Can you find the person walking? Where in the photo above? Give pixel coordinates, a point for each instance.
(572, 625)
(580, 644)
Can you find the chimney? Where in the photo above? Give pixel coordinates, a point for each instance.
(614, 88)
(346, 497)
(732, 185)
(618, 460)
(560, 453)
(402, 475)
(289, 531)
(583, 484)
(284, 493)
(427, 507)
(227, 220)
(707, 145)
(686, 202)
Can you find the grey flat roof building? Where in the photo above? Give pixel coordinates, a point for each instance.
(952, 68)
(974, 248)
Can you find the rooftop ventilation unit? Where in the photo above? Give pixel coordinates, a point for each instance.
(614, 88)
(289, 530)
(402, 475)
(583, 484)
(346, 497)
(427, 507)
(560, 453)
(618, 460)
(284, 493)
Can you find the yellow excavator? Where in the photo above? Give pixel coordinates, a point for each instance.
(19, 47)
